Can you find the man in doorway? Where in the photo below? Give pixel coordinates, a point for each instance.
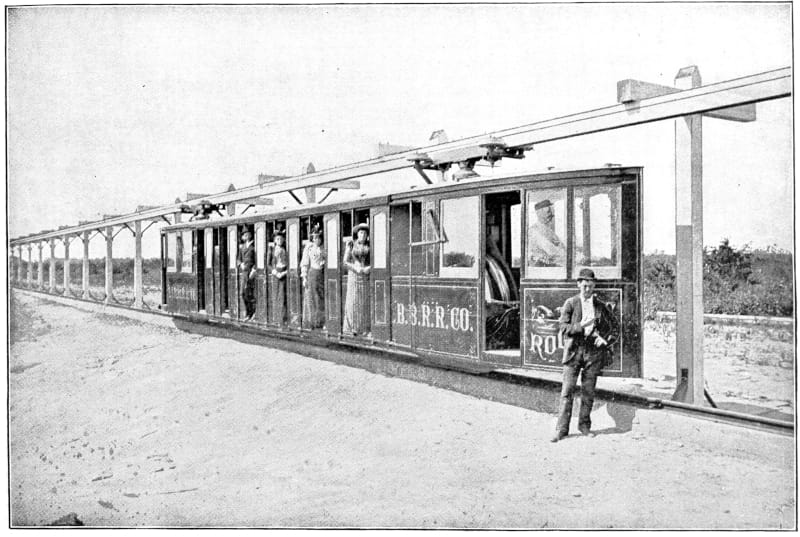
(546, 248)
(247, 275)
(589, 330)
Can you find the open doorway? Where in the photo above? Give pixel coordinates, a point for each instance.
(503, 247)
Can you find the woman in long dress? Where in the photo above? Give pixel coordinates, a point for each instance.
(279, 265)
(312, 268)
(357, 261)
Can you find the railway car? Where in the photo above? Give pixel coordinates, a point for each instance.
(474, 272)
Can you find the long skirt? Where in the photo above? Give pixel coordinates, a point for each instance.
(314, 299)
(356, 305)
(278, 294)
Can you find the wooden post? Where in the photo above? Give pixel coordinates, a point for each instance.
(689, 246)
(40, 272)
(66, 264)
(109, 264)
(30, 266)
(137, 265)
(19, 265)
(86, 265)
(52, 282)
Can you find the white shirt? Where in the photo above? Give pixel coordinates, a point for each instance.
(587, 313)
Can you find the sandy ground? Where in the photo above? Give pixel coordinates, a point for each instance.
(127, 424)
(747, 369)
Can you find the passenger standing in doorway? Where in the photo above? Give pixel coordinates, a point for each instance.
(589, 330)
(357, 262)
(312, 267)
(279, 265)
(247, 275)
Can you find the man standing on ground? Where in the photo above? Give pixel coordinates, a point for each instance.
(589, 329)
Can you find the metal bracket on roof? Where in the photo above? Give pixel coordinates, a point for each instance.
(295, 197)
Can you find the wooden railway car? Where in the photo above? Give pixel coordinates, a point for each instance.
(472, 272)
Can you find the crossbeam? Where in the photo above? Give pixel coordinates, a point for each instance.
(741, 91)
(629, 91)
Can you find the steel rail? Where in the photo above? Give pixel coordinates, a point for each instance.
(745, 90)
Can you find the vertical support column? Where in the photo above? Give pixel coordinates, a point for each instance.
(19, 265)
(52, 282)
(109, 264)
(66, 239)
(86, 265)
(689, 246)
(40, 272)
(30, 266)
(137, 265)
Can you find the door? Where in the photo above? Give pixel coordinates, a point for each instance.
(262, 295)
(163, 270)
(589, 221)
(294, 286)
(333, 302)
(380, 274)
(232, 271)
(208, 269)
(220, 258)
(198, 261)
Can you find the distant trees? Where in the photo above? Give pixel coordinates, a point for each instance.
(735, 281)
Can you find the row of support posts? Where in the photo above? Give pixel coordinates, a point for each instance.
(85, 237)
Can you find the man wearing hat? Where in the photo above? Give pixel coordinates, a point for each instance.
(589, 329)
(247, 268)
(546, 248)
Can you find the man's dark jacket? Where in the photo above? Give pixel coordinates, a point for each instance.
(575, 341)
(247, 255)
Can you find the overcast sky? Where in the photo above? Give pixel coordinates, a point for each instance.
(109, 107)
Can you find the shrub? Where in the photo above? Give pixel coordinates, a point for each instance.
(735, 281)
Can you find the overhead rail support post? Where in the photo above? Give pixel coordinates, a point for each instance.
(40, 267)
(19, 265)
(86, 265)
(109, 264)
(689, 245)
(137, 265)
(30, 266)
(66, 239)
(52, 282)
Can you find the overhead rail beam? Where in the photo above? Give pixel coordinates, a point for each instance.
(737, 92)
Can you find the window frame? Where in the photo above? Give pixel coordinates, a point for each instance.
(613, 272)
(558, 272)
(470, 272)
(171, 251)
(187, 249)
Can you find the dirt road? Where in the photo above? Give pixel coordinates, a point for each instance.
(128, 424)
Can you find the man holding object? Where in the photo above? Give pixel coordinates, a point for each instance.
(589, 329)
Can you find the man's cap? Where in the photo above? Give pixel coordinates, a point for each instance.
(586, 274)
(542, 204)
(278, 232)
